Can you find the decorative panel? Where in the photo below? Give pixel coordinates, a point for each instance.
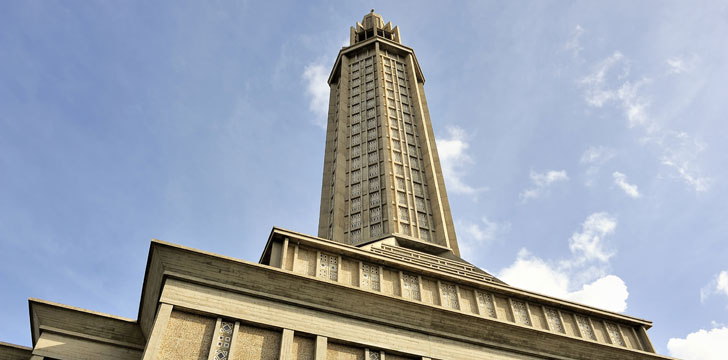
(614, 336)
(486, 302)
(370, 277)
(554, 321)
(449, 296)
(585, 328)
(521, 312)
(411, 285)
(224, 336)
(328, 266)
(429, 292)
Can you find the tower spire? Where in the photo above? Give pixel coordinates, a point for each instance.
(382, 178)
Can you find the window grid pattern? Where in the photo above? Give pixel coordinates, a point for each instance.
(486, 300)
(614, 334)
(585, 328)
(411, 284)
(554, 321)
(224, 336)
(329, 267)
(370, 276)
(364, 143)
(405, 156)
(521, 312)
(450, 296)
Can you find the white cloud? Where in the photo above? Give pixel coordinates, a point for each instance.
(718, 285)
(477, 235)
(629, 189)
(574, 42)
(596, 155)
(540, 183)
(608, 84)
(454, 159)
(582, 276)
(317, 88)
(587, 245)
(701, 345)
(681, 64)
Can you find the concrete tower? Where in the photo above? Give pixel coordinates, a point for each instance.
(382, 176)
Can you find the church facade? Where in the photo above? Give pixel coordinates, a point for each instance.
(383, 280)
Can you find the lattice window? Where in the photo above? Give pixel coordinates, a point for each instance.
(403, 214)
(486, 300)
(372, 134)
(408, 128)
(356, 163)
(418, 190)
(355, 128)
(372, 145)
(412, 149)
(388, 76)
(397, 155)
(371, 113)
(354, 108)
(521, 312)
(391, 103)
(370, 276)
(614, 334)
(355, 204)
(395, 134)
(375, 230)
(373, 170)
(411, 285)
(422, 219)
(355, 139)
(389, 84)
(410, 138)
(416, 176)
(554, 320)
(373, 158)
(450, 296)
(424, 234)
(390, 93)
(370, 94)
(375, 215)
(356, 176)
(397, 146)
(373, 355)
(329, 266)
(406, 118)
(373, 184)
(355, 220)
(370, 83)
(355, 150)
(404, 228)
(413, 163)
(355, 82)
(399, 169)
(374, 199)
(356, 190)
(355, 118)
(356, 235)
(420, 203)
(400, 183)
(403, 90)
(372, 123)
(401, 197)
(355, 98)
(585, 328)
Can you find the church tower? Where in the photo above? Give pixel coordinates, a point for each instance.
(382, 176)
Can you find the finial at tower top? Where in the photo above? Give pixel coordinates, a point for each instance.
(372, 25)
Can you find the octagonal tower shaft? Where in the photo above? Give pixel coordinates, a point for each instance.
(382, 175)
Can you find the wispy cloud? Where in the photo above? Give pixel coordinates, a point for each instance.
(478, 235)
(594, 158)
(718, 285)
(681, 64)
(454, 159)
(703, 345)
(609, 83)
(582, 277)
(317, 89)
(574, 43)
(629, 189)
(540, 182)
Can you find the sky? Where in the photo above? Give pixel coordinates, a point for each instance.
(583, 144)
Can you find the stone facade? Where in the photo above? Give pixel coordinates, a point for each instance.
(384, 281)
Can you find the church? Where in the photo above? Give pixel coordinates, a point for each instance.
(383, 280)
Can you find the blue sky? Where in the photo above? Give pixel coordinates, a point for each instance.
(583, 144)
